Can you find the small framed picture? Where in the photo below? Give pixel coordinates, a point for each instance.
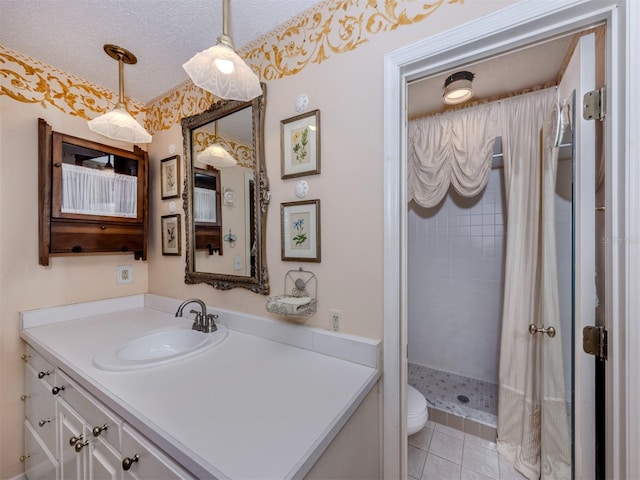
(300, 236)
(300, 145)
(171, 241)
(170, 177)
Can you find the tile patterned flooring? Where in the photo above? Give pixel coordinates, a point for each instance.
(441, 390)
(438, 452)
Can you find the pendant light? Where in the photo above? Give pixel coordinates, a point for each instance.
(221, 71)
(118, 124)
(457, 88)
(215, 154)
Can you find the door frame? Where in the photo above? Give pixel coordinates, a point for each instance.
(526, 22)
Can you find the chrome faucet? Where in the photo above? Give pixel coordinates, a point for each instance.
(204, 322)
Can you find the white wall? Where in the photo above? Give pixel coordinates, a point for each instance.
(456, 265)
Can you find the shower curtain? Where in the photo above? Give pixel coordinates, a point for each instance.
(531, 399)
(456, 149)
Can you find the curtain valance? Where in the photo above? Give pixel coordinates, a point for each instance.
(456, 148)
(95, 192)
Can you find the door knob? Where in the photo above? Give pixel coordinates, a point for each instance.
(549, 330)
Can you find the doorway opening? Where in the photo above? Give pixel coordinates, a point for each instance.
(444, 53)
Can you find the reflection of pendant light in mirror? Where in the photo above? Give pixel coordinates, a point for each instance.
(215, 154)
(118, 124)
(108, 166)
(457, 88)
(221, 71)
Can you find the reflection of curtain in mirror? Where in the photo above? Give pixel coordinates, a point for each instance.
(204, 205)
(94, 192)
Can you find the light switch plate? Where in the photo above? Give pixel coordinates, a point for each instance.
(124, 274)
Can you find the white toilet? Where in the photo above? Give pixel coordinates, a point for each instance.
(417, 413)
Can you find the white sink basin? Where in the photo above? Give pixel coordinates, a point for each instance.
(159, 348)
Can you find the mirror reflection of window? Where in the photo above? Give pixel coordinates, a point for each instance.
(204, 198)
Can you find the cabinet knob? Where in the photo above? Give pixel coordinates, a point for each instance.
(24, 457)
(74, 440)
(103, 227)
(79, 446)
(98, 430)
(57, 164)
(57, 390)
(127, 462)
(76, 249)
(42, 423)
(24, 397)
(44, 374)
(25, 357)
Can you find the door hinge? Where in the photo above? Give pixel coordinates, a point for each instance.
(594, 341)
(593, 104)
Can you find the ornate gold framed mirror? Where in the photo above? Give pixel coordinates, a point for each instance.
(226, 195)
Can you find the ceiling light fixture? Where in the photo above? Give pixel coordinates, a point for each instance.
(221, 71)
(118, 124)
(215, 154)
(457, 88)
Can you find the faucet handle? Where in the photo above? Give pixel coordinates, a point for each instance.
(198, 324)
(210, 323)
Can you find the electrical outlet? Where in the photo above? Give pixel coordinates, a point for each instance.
(124, 274)
(237, 263)
(336, 319)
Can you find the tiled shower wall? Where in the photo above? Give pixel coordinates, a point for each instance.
(456, 281)
(456, 264)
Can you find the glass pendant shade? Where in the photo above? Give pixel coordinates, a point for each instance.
(221, 71)
(216, 156)
(118, 124)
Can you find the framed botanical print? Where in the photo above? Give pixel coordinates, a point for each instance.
(300, 145)
(170, 177)
(171, 241)
(300, 231)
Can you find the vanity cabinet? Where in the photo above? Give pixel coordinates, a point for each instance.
(40, 425)
(71, 435)
(39, 464)
(93, 198)
(89, 435)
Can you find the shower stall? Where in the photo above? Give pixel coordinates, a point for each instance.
(490, 269)
(456, 274)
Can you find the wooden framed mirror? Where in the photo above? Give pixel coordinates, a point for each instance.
(226, 206)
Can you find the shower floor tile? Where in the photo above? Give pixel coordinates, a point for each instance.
(447, 392)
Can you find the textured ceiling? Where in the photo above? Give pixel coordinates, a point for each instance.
(536, 65)
(163, 34)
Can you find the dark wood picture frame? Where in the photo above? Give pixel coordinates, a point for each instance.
(170, 177)
(300, 231)
(300, 145)
(171, 234)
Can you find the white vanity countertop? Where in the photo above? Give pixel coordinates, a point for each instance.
(263, 404)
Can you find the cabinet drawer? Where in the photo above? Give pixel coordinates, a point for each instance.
(93, 413)
(40, 365)
(39, 463)
(151, 462)
(72, 237)
(40, 407)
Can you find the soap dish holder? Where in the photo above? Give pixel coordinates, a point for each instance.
(300, 297)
